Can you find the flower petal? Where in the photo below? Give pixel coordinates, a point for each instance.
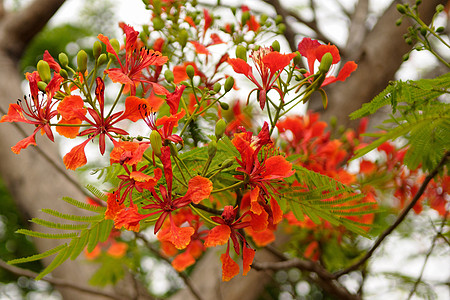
(247, 255)
(219, 235)
(199, 188)
(229, 267)
(240, 66)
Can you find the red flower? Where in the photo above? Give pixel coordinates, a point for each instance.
(260, 174)
(313, 50)
(136, 60)
(101, 126)
(268, 63)
(37, 110)
(229, 228)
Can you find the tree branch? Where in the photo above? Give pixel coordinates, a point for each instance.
(58, 282)
(183, 276)
(399, 219)
(21, 26)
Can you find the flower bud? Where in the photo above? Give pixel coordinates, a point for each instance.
(281, 28)
(221, 125)
(278, 19)
(297, 58)
(325, 63)
(43, 69)
(156, 142)
(183, 37)
(42, 86)
(423, 31)
(398, 22)
(245, 17)
(190, 71)
(217, 86)
(102, 59)
(212, 148)
(401, 8)
(145, 29)
(229, 83)
(168, 75)
(263, 18)
(405, 57)
(63, 74)
(173, 150)
(439, 8)
(115, 44)
(143, 37)
(158, 23)
(224, 105)
(241, 52)
(82, 61)
(227, 163)
(440, 29)
(63, 60)
(276, 46)
(233, 10)
(97, 49)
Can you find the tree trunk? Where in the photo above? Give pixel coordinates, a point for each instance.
(33, 182)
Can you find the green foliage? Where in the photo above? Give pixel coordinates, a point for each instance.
(55, 40)
(87, 232)
(424, 120)
(322, 197)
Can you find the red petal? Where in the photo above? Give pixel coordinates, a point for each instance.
(113, 207)
(133, 107)
(15, 114)
(247, 255)
(199, 188)
(180, 237)
(240, 66)
(229, 267)
(332, 49)
(182, 261)
(24, 143)
(219, 235)
(76, 157)
(51, 62)
(277, 167)
(276, 61)
(307, 48)
(68, 131)
(70, 104)
(199, 48)
(346, 70)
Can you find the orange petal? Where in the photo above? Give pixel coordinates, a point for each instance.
(277, 213)
(76, 157)
(240, 66)
(277, 167)
(229, 267)
(247, 255)
(219, 235)
(132, 108)
(199, 188)
(24, 143)
(255, 207)
(182, 261)
(117, 249)
(276, 61)
(199, 48)
(180, 237)
(68, 131)
(113, 207)
(69, 105)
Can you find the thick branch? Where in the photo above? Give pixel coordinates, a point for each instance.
(399, 219)
(18, 28)
(59, 282)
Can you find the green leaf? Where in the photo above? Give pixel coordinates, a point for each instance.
(73, 217)
(59, 259)
(93, 237)
(47, 235)
(37, 256)
(58, 225)
(85, 206)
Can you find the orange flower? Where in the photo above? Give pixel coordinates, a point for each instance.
(269, 64)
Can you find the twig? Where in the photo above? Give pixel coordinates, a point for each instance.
(183, 276)
(427, 256)
(58, 282)
(399, 220)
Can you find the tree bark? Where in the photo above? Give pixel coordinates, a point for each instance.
(32, 181)
(378, 59)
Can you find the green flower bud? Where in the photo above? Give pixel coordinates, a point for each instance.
(156, 142)
(102, 59)
(158, 23)
(405, 57)
(245, 17)
(190, 71)
(144, 37)
(281, 28)
(241, 52)
(139, 138)
(229, 83)
(185, 83)
(183, 37)
(263, 18)
(42, 86)
(224, 105)
(303, 71)
(423, 31)
(115, 44)
(212, 148)
(418, 2)
(297, 58)
(228, 163)
(63, 60)
(97, 49)
(401, 8)
(440, 29)
(168, 75)
(82, 59)
(409, 41)
(233, 10)
(276, 46)
(278, 19)
(256, 48)
(63, 74)
(44, 71)
(173, 150)
(439, 8)
(145, 29)
(217, 86)
(325, 63)
(398, 22)
(221, 125)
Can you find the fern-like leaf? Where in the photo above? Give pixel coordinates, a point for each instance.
(55, 236)
(58, 225)
(72, 217)
(37, 256)
(96, 192)
(85, 206)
